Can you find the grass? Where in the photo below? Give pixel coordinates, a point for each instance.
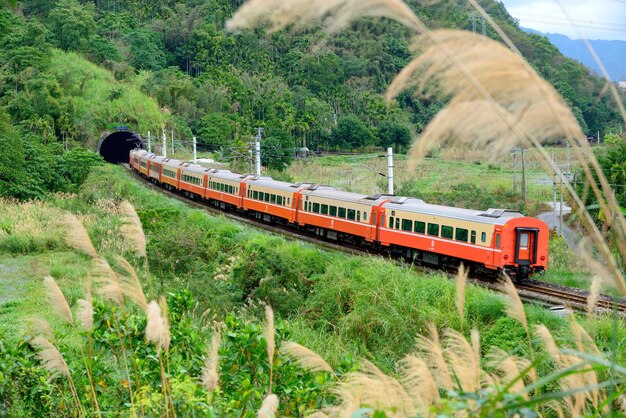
(101, 102)
(367, 305)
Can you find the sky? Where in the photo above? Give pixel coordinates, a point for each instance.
(596, 19)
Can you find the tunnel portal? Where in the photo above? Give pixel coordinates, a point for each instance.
(115, 146)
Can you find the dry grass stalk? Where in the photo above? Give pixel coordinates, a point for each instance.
(418, 382)
(594, 294)
(76, 235)
(461, 281)
(307, 359)
(132, 229)
(130, 284)
(41, 327)
(463, 360)
(157, 328)
(489, 85)
(431, 351)
(269, 407)
(57, 299)
(514, 306)
(85, 314)
(108, 282)
(333, 14)
(379, 391)
(269, 333)
(210, 375)
(51, 358)
(507, 369)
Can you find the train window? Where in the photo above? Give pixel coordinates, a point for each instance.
(324, 209)
(446, 231)
(397, 225)
(393, 213)
(407, 225)
(391, 218)
(483, 237)
(420, 227)
(255, 195)
(267, 197)
(230, 189)
(433, 229)
(288, 200)
(316, 207)
(461, 234)
(272, 198)
(358, 215)
(497, 240)
(351, 214)
(342, 212)
(473, 239)
(365, 216)
(279, 200)
(333, 211)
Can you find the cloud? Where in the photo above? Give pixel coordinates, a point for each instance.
(597, 19)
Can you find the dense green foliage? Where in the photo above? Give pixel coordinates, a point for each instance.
(304, 88)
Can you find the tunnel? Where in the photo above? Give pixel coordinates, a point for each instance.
(115, 146)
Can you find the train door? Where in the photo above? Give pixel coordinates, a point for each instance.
(526, 246)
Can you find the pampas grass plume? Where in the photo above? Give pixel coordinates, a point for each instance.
(269, 407)
(85, 314)
(132, 229)
(514, 306)
(57, 299)
(269, 333)
(130, 284)
(461, 281)
(41, 327)
(157, 329)
(108, 282)
(51, 357)
(594, 294)
(76, 235)
(210, 376)
(306, 358)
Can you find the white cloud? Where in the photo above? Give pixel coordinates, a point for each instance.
(595, 19)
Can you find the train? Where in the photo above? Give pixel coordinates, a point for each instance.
(492, 242)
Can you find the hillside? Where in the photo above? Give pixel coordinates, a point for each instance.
(219, 86)
(611, 53)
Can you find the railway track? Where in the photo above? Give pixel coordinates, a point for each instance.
(551, 295)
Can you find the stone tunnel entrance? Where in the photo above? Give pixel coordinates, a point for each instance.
(115, 146)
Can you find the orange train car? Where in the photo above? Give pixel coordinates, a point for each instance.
(496, 240)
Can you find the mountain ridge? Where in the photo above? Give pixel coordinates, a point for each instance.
(611, 53)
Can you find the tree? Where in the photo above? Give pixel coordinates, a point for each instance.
(215, 129)
(351, 133)
(145, 50)
(393, 134)
(277, 150)
(73, 25)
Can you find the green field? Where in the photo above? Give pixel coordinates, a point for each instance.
(343, 307)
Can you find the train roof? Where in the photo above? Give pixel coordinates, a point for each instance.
(275, 184)
(329, 192)
(225, 175)
(172, 162)
(156, 158)
(194, 168)
(491, 216)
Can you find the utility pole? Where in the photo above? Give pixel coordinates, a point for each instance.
(172, 136)
(523, 175)
(390, 169)
(561, 209)
(149, 147)
(484, 26)
(250, 159)
(474, 22)
(257, 150)
(195, 154)
(553, 190)
(164, 144)
(515, 170)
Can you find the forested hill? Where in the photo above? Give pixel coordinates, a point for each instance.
(219, 86)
